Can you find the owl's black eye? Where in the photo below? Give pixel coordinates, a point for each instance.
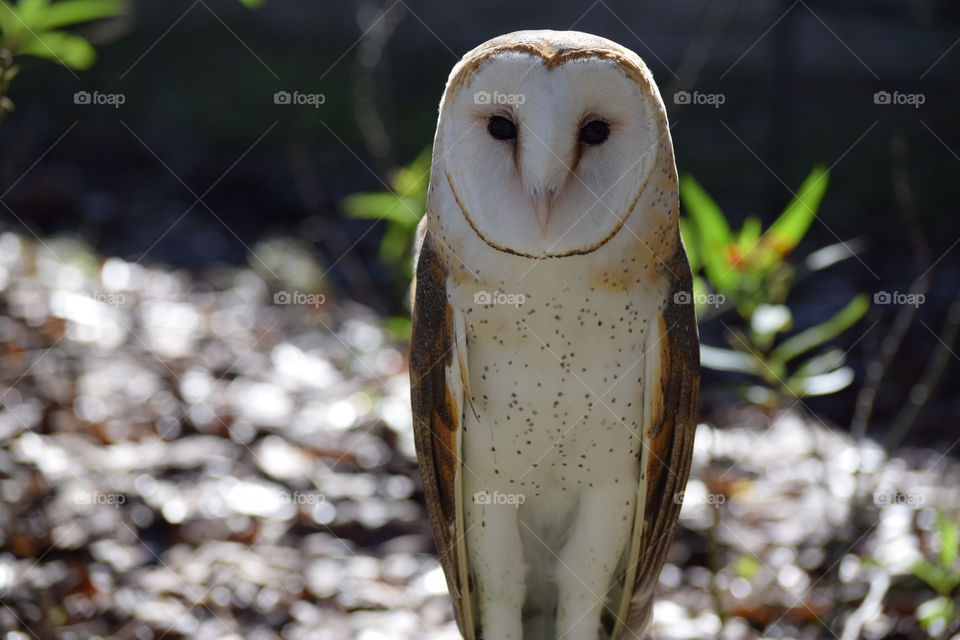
(501, 128)
(594, 132)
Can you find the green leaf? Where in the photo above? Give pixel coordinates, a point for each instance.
(253, 4)
(770, 319)
(934, 615)
(834, 253)
(929, 573)
(821, 333)
(749, 234)
(700, 291)
(383, 206)
(822, 384)
(414, 179)
(761, 396)
(398, 327)
(720, 359)
(788, 230)
(704, 210)
(825, 362)
(30, 11)
(949, 534)
(70, 12)
(712, 232)
(8, 19)
(66, 48)
(395, 244)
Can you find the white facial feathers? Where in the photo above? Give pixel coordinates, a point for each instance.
(566, 161)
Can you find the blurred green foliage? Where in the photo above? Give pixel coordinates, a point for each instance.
(401, 209)
(36, 28)
(747, 567)
(943, 576)
(749, 272)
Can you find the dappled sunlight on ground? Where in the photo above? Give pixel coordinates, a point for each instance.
(199, 457)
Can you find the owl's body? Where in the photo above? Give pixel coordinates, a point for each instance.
(554, 376)
(554, 446)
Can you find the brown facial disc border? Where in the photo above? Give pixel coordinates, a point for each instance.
(551, 57)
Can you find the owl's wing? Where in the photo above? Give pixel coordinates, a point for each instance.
(670, 400)
(437, 382)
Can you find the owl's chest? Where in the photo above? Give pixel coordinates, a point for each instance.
(555, 371)
(567, 319)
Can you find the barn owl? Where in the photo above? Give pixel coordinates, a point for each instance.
(554, 358)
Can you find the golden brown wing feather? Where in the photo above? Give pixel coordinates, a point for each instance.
(437, 411)
(671, 443)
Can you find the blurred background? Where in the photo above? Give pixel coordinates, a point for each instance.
(205, 216)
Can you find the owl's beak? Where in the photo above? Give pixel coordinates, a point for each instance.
(544, 202)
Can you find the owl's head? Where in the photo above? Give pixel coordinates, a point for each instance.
(547, 140)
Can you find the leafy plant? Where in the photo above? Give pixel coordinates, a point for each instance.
(943, 577)
(749, 271)
(36, 28)
(401, 209)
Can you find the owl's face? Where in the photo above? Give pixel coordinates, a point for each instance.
(547, 159)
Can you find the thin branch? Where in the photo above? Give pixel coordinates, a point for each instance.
(701, 49)
(890, 345)
(7, 72)
(369, 54)
(921, 392)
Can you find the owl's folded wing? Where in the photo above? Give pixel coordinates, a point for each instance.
(437, 382)
(671, 397)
